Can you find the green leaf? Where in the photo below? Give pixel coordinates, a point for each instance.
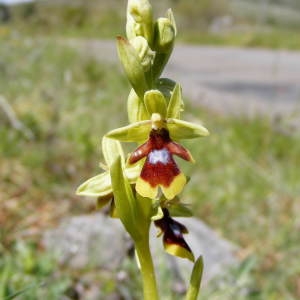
(111, 149)
(145, 209)
(136, 132)
(166, 86)
(20, 292)
(136, 108)
(129, 209)
(132, 66)
(180, 210)
(195, 280)
(185, 130)
(5, 275)
(175, 106)
(97, 186)
(155, 102)
(124, 199)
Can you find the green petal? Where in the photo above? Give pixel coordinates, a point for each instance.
(97, 186)
(136, 108)
(111, 150)
(194, 287)
(175, 106)
(185, 130)
(155, 102)
(136, 132)
(132, 66)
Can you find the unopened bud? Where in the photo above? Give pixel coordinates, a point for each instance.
(145, 53)
(164, 35)
(139, 20)
(140, 10)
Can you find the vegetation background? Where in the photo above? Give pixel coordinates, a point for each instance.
(61, 98)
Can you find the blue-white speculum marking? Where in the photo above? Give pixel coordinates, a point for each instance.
(156, 156)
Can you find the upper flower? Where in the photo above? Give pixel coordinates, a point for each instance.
(160, 170)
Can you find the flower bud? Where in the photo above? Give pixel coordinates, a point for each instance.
(140, 10)
(132, 65)
(139, 20)
(145, 53)
(164, 35)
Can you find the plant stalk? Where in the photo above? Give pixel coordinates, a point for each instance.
(147, 270)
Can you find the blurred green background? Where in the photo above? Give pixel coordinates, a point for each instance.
(61, 99)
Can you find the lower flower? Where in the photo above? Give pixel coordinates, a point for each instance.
(173, 240)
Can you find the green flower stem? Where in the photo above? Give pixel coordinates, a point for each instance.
(147, 270)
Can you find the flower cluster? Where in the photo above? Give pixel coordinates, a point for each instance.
(146, 186)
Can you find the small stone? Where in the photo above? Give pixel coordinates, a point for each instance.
(88, 241)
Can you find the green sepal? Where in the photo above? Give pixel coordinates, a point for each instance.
(179, 210)
(132, 66)
(136, 132)
(97, 186)
(185, 130)
(195, 281)
(175, 106)
(155, 102)
(133, 211)
(136, 108)
(111, 149)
